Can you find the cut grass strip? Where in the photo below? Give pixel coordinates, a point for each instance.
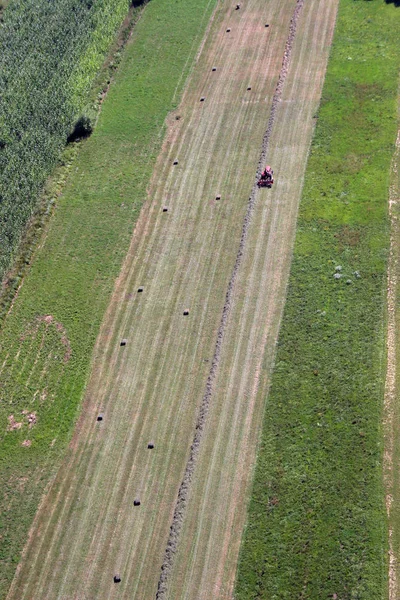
(73, 275)
(316, 525)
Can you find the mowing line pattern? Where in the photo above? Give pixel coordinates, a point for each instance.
(211, 533)
(153, 389)
(179, 512)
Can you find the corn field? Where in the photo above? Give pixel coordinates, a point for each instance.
(50, 51)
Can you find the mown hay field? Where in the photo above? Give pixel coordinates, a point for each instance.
(48, 336)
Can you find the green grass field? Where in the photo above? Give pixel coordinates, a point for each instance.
(44, 362)
(316, 525)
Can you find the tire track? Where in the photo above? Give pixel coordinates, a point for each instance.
(184, 490)
(390, 409)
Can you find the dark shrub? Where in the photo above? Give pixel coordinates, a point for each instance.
(82, 129)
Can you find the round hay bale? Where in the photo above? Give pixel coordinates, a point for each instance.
(228, 30)
(150, 445)
(100, 417)
(136, 502)
(218, 197)
(237, 7)
(117, 578)
(249, 88)
(186, 312)
(123, 342)
(202, 99)
(165, 209)
(266, 24)
(214, 69)
(175, 162)
(140, 289)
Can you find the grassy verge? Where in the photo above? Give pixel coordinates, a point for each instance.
(47, 339)
(316, 524)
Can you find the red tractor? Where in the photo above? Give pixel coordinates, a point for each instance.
(267, 178)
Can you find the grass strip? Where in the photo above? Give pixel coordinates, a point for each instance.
(316, 523)
(47, 339)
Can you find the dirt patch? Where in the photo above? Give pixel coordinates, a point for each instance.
(49, 320)
(354, 163)
(29, 418)
(13, 425)
(365, 91)
(26, 443)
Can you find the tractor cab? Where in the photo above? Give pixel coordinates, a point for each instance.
(267, 178)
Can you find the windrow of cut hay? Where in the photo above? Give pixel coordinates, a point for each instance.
(49, 55)
(47, 339)
(316, 525)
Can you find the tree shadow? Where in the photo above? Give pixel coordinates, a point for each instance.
(82, 129)
(395, 2)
